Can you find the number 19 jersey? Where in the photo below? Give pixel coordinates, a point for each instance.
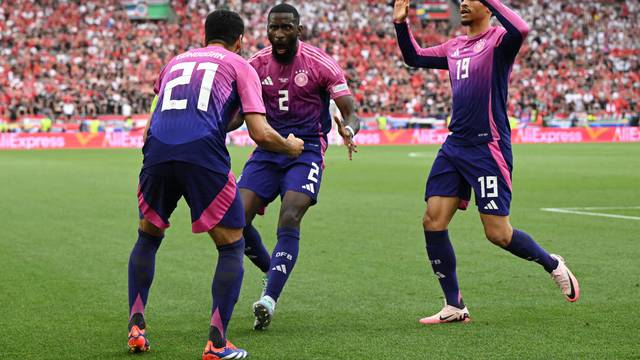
(199, 92)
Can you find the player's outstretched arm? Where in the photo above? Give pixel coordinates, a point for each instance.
(517, 28)
(433, 57)
(267, 138)
(349, 127)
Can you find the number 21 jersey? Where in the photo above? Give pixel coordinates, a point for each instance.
(199, 92)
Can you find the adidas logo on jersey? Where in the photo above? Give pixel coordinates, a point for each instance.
(267, 81)
(310, 188)
(281, 268)
(491, 206)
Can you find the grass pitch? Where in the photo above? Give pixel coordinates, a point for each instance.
(362, 279)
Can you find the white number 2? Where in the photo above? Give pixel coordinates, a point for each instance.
(210, 70)
(462, 65)
(313, 174)
(284, 98)
(488, 183)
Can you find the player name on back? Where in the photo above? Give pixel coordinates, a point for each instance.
(213, 54)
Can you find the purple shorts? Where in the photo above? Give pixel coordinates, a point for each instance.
(212, 197)
(486, 168)
(269, 174)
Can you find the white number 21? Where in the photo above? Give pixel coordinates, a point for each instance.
(488, 183)
(210, 70)
(462, 67)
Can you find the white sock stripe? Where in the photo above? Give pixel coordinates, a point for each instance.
(282, 268)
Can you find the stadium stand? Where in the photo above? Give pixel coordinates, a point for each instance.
(80, 59)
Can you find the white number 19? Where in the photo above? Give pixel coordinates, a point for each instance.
(488, 183)
(462, 65)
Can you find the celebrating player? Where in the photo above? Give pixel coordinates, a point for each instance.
(477, 154)
(298, 81)
(198, 92)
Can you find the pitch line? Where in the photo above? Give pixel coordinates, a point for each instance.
(419, 154)
(577, 211)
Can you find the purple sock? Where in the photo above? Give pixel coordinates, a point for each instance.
(254, 248)
(443, 262)
(141, 269)
(283, 260)
(523, 246)
(225, 289)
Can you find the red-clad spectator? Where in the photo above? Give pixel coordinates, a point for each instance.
(89, 56)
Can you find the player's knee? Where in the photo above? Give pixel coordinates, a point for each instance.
(225, 236)
(150, 229)
(498, 237)
(433, 223)
(290, 218)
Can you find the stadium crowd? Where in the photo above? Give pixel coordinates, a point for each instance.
(84, 58)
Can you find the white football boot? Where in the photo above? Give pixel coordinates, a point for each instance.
(263, 310)
(565, 280)
(446, 315)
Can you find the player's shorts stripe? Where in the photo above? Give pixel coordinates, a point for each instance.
(463, 204)
(323, 148)
(216, 210)
(329, 60)
(149, 213)
(494, 147)
(323, 62)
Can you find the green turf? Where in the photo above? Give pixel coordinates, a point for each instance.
(362, 280)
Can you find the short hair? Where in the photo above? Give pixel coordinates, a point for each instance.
(286, 9)
(223, 25)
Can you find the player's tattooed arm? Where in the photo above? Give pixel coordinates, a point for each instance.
(350, 126)
(267, 138)
(236, 122)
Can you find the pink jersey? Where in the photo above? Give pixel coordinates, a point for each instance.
(479, 69)
(199, 92)
(297, 95)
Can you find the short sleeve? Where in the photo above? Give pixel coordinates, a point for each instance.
(334, 79)
(249, 88)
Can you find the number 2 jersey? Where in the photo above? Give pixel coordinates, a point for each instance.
(199, 92)
(297, 95)
(479, 69)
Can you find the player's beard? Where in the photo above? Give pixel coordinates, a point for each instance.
(466, 22)
(288, 56)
